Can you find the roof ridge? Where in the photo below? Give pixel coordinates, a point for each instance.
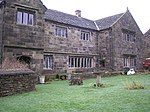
(118, 18)
(147, 33)
(107, 22)
(70, 14)
(109, 16)
(70, 19)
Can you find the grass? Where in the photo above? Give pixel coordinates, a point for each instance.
(60, 97)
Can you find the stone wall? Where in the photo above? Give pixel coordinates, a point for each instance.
(113, 47)
(147, 44)
(72, 45)
(123, 47)
(22, 39)
(1, 27)
(16, 81)
(105, 49)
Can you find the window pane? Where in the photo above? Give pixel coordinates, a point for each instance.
(78, 62)
(19, 17)
(60, 31)
(30, 19)
(85, 35)
(48, 62)
(72, 60)
(25, 18)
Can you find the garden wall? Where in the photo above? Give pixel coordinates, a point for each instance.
(16, 81)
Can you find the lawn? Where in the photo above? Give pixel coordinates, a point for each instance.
(60, 97)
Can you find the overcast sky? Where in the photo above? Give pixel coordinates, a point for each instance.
(97, 9)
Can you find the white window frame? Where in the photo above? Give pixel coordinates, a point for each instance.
(25, 17)
(128, 36)
(85, 35)
(80, 62)
(61, 31)
(48, 62)
(129, 61)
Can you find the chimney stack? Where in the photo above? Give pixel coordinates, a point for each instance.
(78, 13)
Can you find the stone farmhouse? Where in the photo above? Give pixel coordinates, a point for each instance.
(52, 41)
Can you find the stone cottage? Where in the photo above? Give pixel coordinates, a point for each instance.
(52, 41)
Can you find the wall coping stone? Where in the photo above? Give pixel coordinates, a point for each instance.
(16, 71)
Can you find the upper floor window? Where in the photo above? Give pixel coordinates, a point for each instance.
(25, 17)
(85, 35)
(61, 31)
(128, 35)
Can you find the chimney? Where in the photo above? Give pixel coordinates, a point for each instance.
(78, 13)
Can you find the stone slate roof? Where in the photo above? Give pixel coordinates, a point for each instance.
(100, 24)
(147, 33)
(69, 19)
(107, 22)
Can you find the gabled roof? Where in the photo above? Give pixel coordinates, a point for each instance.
(100, 24)
(61, 17)
(107, 22)
(147, 33)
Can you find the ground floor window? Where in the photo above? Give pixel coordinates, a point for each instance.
(48, 62)
(80, 62)
(129, 60)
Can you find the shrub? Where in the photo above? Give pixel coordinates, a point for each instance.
(12, 64)
(134, 85)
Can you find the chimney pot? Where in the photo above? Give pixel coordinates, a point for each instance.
(78, 13)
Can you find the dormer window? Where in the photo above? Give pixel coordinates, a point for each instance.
(25, 17)
(85, 35)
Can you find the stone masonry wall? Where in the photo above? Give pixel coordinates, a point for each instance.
(1, 26)
(20, 39)
(16, 81)
(72, 43)
(147, 44)
(123, 47)
(105, 48)
(63, 47)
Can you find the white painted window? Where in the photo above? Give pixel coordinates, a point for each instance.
(129, 61)
(48, 62)
(61, 31)
(19, 17)
(80, 62)
(85, 35)
(25, 17)
(128, 36)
